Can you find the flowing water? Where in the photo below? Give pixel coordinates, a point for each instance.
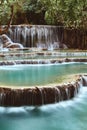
(68, 115)
(39, 74)
(37, 36)
(38, 54)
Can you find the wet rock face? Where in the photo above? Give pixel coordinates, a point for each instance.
(37, 96)
(7, 43)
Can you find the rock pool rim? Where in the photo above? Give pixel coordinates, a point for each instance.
(39, 96)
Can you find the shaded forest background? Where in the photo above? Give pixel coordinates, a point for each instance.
(69, 13)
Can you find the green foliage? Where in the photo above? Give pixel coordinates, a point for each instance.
(70, 13)
(67, 12)
(5, 9)
(4, 13)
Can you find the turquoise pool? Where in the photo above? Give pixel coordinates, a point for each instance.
(68, 115)
(33, 75)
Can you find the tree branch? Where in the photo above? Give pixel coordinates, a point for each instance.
(4, 30)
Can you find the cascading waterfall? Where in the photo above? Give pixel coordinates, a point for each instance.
(39, 96)
(50, 61)
(36, 96)
(42, 98)
(67, 93)
(41, 36)
(57, 95)
(45, 37)
(84, 80)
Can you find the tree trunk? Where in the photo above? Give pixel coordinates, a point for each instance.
(4, 30)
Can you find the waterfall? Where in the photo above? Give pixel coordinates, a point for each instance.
(1, 97)
(41, 36)
(42, 96)
(76, 90)
(57, 95)
(67, 93)
(39, 96)
(84, 80)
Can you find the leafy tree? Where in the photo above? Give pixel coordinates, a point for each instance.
(70, 13)
(3, 8)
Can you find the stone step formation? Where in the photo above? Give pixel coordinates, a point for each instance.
(38, 96)
(46, 38)
(50, 61)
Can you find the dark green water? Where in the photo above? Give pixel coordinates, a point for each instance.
(28, 75)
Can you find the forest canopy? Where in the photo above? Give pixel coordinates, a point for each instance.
(69, 13)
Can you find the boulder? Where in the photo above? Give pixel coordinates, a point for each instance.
(7, 42)
(15, 45)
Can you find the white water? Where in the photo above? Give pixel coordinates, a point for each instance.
(67, 115)
(36, 36)
(79, 99)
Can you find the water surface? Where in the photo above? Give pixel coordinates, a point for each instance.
(33, 75)
(68, 115)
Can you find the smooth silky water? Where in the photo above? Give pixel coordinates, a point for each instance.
(68, 115)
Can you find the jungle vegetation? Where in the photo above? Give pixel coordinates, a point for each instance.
(69, 13)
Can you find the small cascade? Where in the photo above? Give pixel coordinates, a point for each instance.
(1, 44)
(37, 61)
(84, 80)
(77, 86)
(67, 93)
(57, 95)
(38, 96)
(1, 98)
(72, 90)
(75, 91)
(42, 97)
(41, 36)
